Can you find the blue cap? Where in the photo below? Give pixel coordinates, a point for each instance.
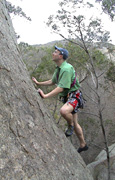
(63, 51)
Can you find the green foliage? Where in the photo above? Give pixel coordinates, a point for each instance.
(94, 32)
(90, 122)
(110, 75)
(16, 10)
(77, 57)
(46, 67)
(26, 47)
(108, 7)
(100, 60)
(76, 26)
(112, 131)
(108, 122)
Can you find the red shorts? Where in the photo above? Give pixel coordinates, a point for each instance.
(73, 100)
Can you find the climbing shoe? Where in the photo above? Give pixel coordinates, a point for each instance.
(85, 148)
(69, 131)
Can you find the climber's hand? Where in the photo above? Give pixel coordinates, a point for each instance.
(42, 94)
(35, 80)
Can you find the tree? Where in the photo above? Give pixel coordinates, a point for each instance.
(84, 35)
(12, 9)
(108, 6)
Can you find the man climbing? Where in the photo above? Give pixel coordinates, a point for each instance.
(68, 90)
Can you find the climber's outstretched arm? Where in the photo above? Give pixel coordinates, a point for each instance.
(44, 83)
(54, 92)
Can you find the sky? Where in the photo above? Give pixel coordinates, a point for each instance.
(36, 31)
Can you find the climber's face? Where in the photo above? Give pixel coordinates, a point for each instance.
(56, 55)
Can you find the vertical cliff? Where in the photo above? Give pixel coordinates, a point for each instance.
(31, 146)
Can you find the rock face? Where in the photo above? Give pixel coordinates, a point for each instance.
(99, 167)
(31, 146)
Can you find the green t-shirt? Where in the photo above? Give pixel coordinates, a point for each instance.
(65, 78)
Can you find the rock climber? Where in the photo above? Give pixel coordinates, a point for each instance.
(67, 86)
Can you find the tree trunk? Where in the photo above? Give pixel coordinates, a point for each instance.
(31, 146)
